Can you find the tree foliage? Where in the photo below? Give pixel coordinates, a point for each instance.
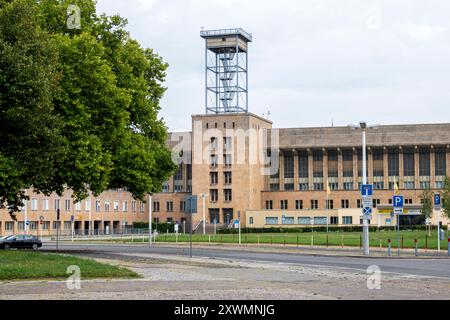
(78, 108)
(426, 198)
(445, 197)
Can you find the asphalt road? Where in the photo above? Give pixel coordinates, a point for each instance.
(439, 267)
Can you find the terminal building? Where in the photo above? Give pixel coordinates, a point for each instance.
(241, 167)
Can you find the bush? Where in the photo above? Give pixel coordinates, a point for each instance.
(161, 227)
(322, 229)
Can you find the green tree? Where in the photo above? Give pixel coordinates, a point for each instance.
(445, 197)
(78, 108)
(426, 198)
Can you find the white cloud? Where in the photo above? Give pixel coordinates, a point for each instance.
(311, 60)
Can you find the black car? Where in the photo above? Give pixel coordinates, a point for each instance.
(20, 242)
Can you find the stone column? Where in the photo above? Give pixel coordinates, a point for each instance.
(369, 165)
(185, 180)
(340, 170)
(385, 169)
(432, 168)
(325, 167)
(311, 170)
(281, 175)
(447, 161)
(295, 155)
(355, 169)
(416, 167)
(401, 172)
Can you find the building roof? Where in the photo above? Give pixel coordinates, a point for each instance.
(383, 135)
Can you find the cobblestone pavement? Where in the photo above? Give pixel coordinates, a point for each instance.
(175, 277)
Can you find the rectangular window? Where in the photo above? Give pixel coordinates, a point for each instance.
(288, 220)
(33, 204)
(227, 143)
(155, 206)
(97, 205)
(358, 203)
(88, 204)
(314, 204)
(57, 205)
(133, 206)
(334, 220)
(408, 163)
(376, 202)
(213, 177)
(67, 225)
(303, 164)
(125, 206)
(250, 220)
(318, 164)
(20, 225)
(9, 225)
(227, 176)
(348, 185)
(45, 205)
(393, 163)
(107, 206)
(67, 204)
(182, 206)
(320, 220)
(142, 206)
(283, 204)
(378, 165)
(332, 163)
(214, 195)
(227, 160)
(440, 163)
(318, 186)
(299, 204)
(304, 220)
(424, 163)
(329, 204)
(45, 225)
(78, 206)
(269, 204)
(303, 186)
(213, 160)
(272, 220)
(345, 204)
(179, 173)
(288, 165)
(409, 185)
(227, 194)
(56, 225)
(213, 143)
(347, 163)
(347, 220)
(169, 206)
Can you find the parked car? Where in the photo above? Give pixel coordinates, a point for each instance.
(20, 242)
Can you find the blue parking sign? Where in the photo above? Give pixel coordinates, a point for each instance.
(397, 202)
(437, 200)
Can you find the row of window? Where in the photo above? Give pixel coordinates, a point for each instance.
(214, 195)
(306, 220)
(225, 124)
(214, 177)
(87, 205)
(393, 163)
(377, 185)
(329, 204)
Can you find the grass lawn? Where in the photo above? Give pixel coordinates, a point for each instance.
(334, 238)
(27, 265)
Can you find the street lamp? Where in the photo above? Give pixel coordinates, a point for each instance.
(204, 195)
(363, 126)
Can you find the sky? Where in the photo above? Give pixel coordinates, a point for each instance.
(311, 62)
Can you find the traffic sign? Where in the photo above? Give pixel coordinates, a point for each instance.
(367, 211)
(72, 218)
(397, 202)
(398, 210)
(191, 204)
(437, 201)
(239, 214)
(367, 203)
(366, 190)
(27, 222)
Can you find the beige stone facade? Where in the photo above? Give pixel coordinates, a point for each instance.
(245, 166)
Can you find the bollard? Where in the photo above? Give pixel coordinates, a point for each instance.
(389, 247)
(415, 247)
(258, 239)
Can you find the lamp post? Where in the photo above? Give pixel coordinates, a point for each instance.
(204, 195)
(363, 126)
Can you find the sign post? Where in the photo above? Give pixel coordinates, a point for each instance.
(239, 222)
(192, 208)
(58, 213)
(72, 229)
(397, 204)
(437, 208)
(367, 203)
